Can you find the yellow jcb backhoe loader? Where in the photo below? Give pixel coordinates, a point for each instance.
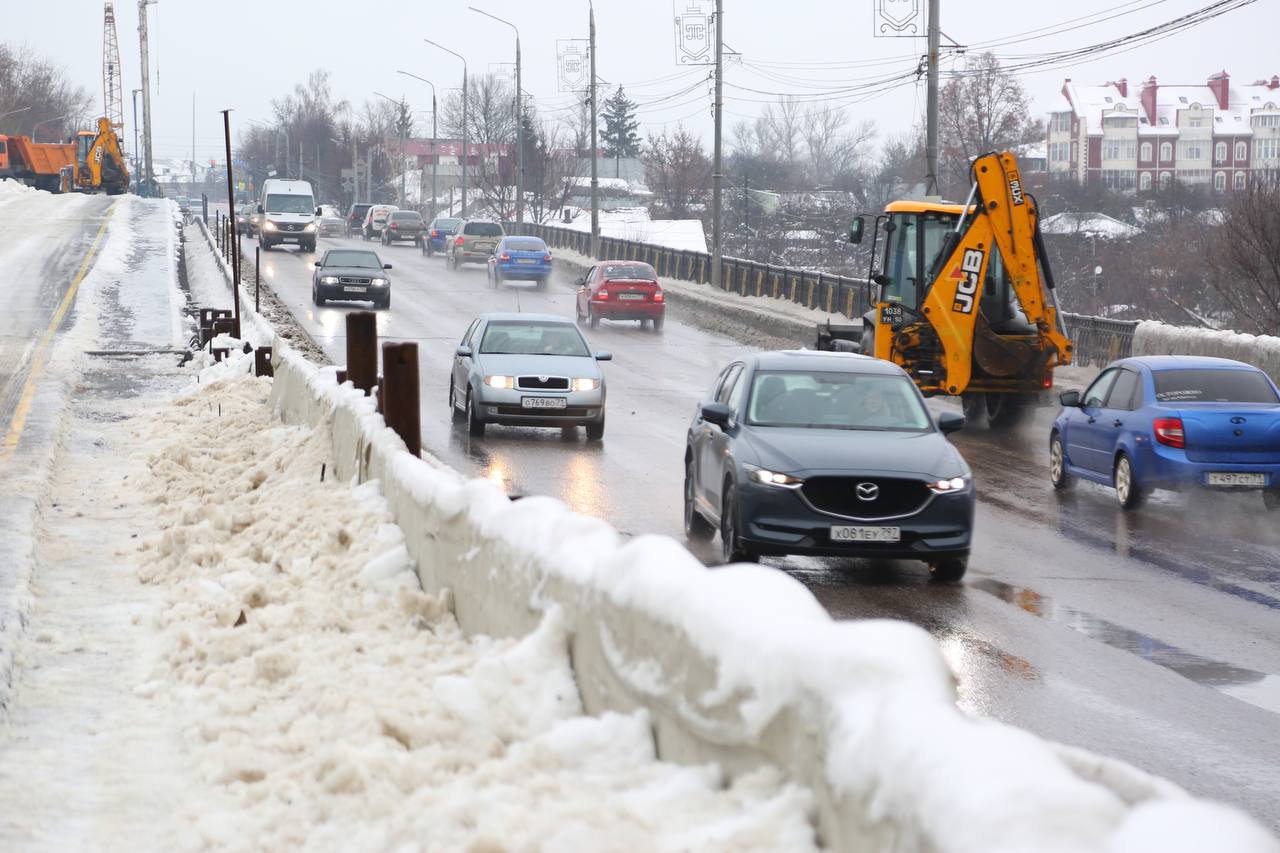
(964, 296)
(100, 165)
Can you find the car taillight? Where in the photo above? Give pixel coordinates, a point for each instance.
(457, 242)
(657, 296)
(393, 225)
(1048, 379)
(547, 257)
(1169, 432)
(504, 257)
(435, 233)
(601, 294)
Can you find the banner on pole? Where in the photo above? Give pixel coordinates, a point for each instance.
(695, 44)
(899, 18)
(573, 65)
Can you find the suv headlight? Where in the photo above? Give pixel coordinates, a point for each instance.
(766, 477)
(311, 226)
(950, 485)
(328, 279)
(268, 226)
(379, 282)
(507, 382)
(584, 384)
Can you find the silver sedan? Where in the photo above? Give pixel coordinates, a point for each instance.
(527, 370)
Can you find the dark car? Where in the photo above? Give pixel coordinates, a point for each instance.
(439, 232)
(621, 290)
(351, 275)
(520, 259)
(1171, 422)
(355, 218)
(404, 225)
(827, 454)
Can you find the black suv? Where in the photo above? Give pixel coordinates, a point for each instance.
(830, 454)
(355, 218)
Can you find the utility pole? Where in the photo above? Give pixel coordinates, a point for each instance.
(931, 125)
(595, 179)
(193, 145)
(355, 171)
(465, 130)
(301, 176)
(231, 223)
(435, 144)
(746, 200)
(716, 172)
(149, 174)
(519, 120)
(137, 170)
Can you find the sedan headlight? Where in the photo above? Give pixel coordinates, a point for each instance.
(584, 384)
(950, 485)
(507, 382)
(773, 478)
(328, 279)
(268, 226)
(379, 282)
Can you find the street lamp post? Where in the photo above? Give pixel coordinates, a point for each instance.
(435, 154)
(38, 125)
(400, 130)
(137, 171)
(15, 112)
(465, 131)
(519, 122)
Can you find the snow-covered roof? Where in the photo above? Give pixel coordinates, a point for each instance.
(1093, 102)
(1092, 224)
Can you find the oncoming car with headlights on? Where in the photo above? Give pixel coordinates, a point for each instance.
(351, 275)
(527, 370)
(828, 454)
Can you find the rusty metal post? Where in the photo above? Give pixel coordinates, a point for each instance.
(400, 393)
(219, 353)
(362, 350)
(231, 223)
(341, 375)
(262, 365)
(257, 275)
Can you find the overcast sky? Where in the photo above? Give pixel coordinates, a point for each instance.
(241, 54)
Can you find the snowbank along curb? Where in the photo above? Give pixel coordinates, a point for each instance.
(1155, 338)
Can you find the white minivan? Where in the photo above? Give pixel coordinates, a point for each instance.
(289, 214)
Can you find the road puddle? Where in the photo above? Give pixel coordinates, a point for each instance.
(1256, 688)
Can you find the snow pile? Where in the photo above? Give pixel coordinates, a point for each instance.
(633, 223)
(1088, 224)
(1155, 338)
(9, 187)
(333, 705)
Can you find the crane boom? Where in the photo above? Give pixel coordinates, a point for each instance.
(112, 93)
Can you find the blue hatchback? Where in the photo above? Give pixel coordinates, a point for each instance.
(520, 259)
(1171, 422)
(439, 232)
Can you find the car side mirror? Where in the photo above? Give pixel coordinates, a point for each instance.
(1070, 399)
(950, 422)
(260, 208)
(880, 279)
(319, 212)
(604, 356)
(463, 352)
(855, 230)
(716, 413)
(386, 266)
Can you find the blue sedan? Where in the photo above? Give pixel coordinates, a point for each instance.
(1171, 422)
(520, 259)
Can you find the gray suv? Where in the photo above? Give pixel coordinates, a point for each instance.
(474, 242)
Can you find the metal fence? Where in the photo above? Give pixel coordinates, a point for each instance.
(1097, 340)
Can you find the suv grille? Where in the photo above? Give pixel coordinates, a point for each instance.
(538, 383)
(839, 496)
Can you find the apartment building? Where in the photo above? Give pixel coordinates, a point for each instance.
(1219, 134)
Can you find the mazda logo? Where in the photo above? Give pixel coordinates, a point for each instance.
(867, 491)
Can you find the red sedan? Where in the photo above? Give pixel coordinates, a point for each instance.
(621, 290)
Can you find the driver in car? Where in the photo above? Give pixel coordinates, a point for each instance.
(873, 410)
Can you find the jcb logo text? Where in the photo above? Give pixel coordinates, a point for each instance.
(967, 288)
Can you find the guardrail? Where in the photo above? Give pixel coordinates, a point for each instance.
(1098, 340)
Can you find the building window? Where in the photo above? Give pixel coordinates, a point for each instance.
(1166, 178)
(1192, 149)
(1146, 151)
(1266, 121)
(1120, 121)
(1119, 149)
(1195, 122)
(1166, 150)
(1242, 151)
(1266, 149)
(1062, 121)
(1220, 153)
(1144, 181)
(1059, 152)
(1123, 180)
(1238, 181)
(1220, 181)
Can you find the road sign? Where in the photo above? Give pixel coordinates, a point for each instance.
(694, 41)
(347, 184)
(573, 68)
(899, 18)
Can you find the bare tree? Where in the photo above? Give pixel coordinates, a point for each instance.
(491, 121)
(39, 97)
(1244, 256)
(834, 151)
(985, 110)
(677, 171)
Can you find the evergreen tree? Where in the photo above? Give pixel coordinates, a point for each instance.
(620, 125)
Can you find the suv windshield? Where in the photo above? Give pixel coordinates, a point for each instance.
(822, 400)
(520, 338)
(289, 204)
(352, 258)
(482, 229)
(1209, 385)
(359, 210)
(640, 272)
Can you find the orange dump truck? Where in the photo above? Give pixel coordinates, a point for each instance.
(36, 164)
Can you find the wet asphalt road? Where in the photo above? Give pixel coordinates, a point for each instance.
(1151, 636)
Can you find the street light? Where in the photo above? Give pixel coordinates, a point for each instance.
(465, 131)
(519, 122)
(14, 112)
(400, 129)
(47, 121)
(137, 170)
(435, 153)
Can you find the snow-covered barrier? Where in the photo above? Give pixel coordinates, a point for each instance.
(743, 667)
(1155, 338)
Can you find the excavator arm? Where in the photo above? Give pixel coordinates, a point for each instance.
(1003, 218)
